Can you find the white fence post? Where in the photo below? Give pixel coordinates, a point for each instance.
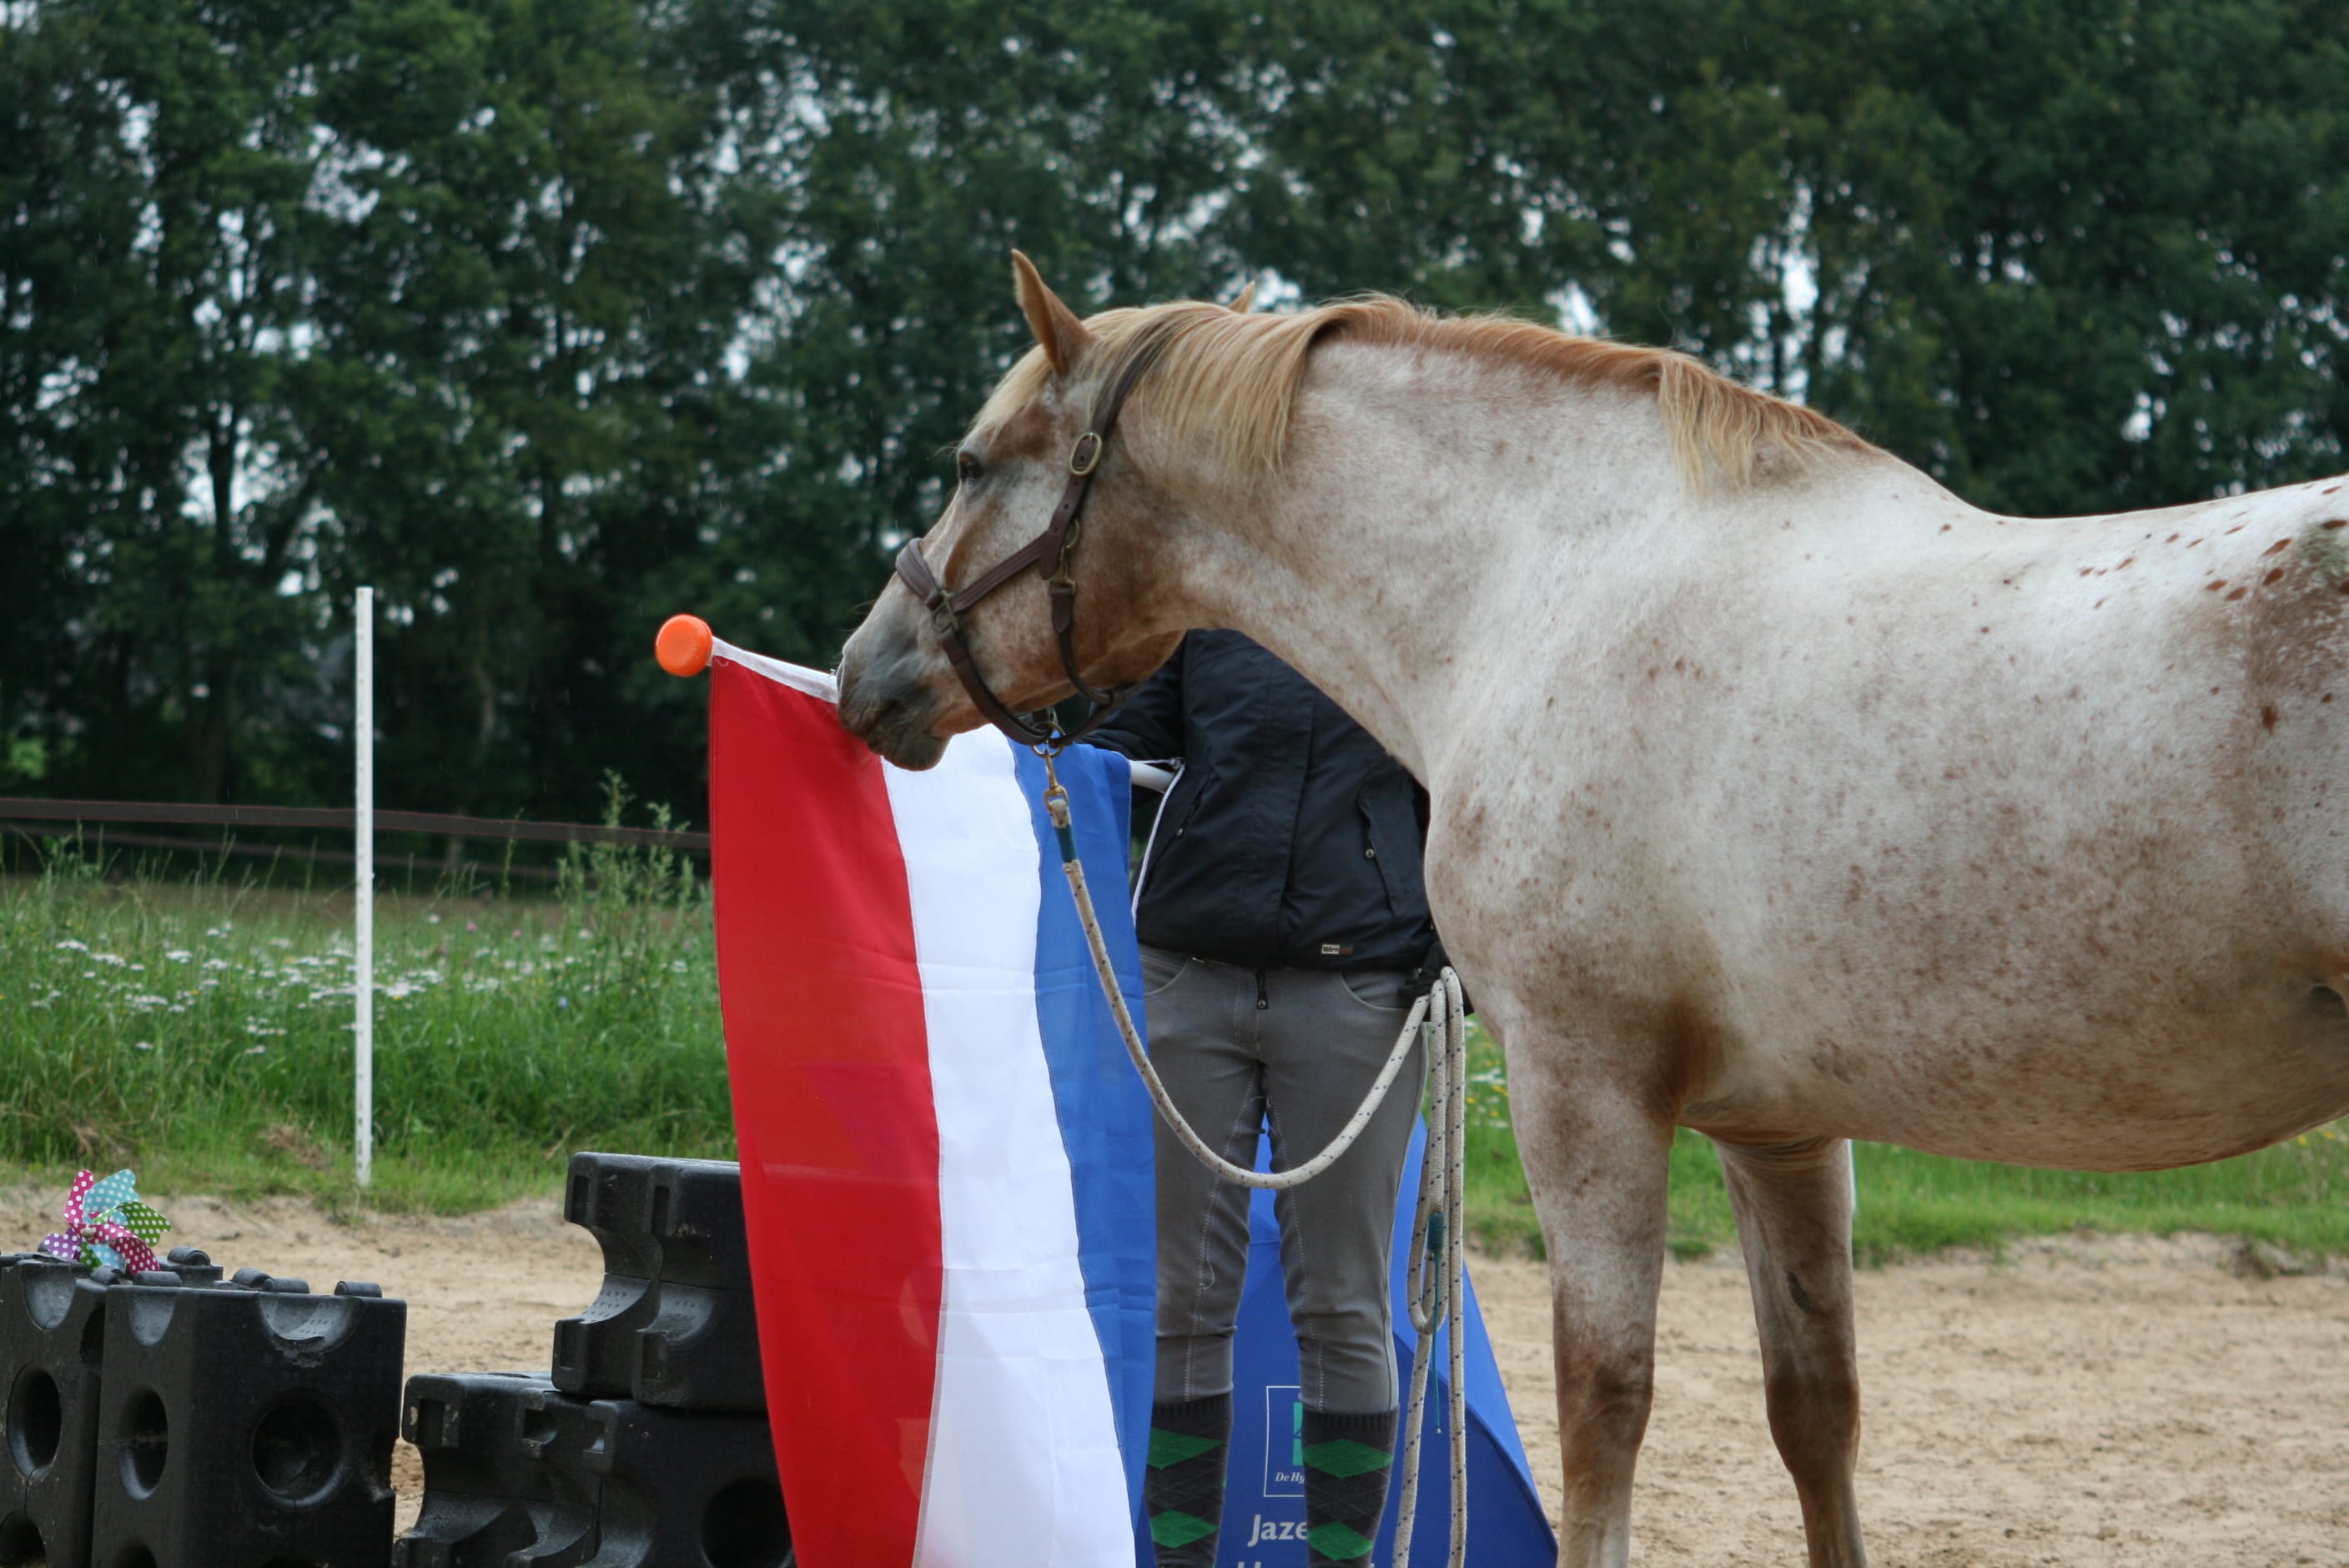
(363, 939)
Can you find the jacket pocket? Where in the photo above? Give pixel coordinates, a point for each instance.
(1390, 843)
(1182, 804)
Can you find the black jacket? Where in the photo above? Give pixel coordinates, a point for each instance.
(1292, 839)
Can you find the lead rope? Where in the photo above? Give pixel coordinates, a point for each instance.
(1435, 1292)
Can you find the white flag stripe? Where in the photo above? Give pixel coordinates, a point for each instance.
(799, 677)
(1025, 1468)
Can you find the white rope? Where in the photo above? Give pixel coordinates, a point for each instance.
(1436, 1289)
(1274, 1180)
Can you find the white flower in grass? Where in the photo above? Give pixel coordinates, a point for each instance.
(215, 963)
(142, 1045)
(141, 1002)
(71, 946)
(113, 958)
(178, 955)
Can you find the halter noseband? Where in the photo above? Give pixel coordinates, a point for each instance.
(1053, 550)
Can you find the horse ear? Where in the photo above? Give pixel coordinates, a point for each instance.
(1060, 332)
(1244, 301)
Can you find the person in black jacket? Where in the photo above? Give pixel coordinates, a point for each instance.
(1283, 922)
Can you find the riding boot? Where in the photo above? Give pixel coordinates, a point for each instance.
(1347, 1461)
(1184, 1491)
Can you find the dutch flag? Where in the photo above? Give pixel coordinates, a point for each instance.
(946, 1157)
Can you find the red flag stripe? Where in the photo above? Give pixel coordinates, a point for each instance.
(829, 1055)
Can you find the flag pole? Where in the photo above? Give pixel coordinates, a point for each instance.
(363, 936)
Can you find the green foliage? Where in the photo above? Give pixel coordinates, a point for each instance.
(204, 1033)
(1913, 1204)
(550, 319)
(430, 294)
(200, 1032)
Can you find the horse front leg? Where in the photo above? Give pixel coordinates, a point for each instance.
(1597, 1162)
(1792, 1203)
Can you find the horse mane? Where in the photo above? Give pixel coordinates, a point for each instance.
(1224, 383)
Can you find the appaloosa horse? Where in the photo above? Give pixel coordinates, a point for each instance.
(1777, 792)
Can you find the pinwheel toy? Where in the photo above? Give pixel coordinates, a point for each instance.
(107, 1226)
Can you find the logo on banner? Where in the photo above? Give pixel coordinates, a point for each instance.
(1284, 1440)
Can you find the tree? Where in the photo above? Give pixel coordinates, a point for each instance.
(548, 320)
(163, 488)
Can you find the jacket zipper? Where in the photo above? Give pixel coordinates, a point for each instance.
(1142, 872)
(1260, 1002)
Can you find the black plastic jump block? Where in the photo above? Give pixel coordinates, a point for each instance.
(516, 1473)
(247, 1426)
(52, 1346)
(52, 1355)
(673, 1324)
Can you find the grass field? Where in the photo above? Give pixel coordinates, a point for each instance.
(200, 1032)
(1910, 1203)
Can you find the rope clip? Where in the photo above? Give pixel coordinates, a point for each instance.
(1056, 806)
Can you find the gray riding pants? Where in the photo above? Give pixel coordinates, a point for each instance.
(1295, 1051)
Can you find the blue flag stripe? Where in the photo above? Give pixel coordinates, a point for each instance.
(1103, 1111)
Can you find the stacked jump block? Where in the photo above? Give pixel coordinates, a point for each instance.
(645, 1444)
(174, 1419)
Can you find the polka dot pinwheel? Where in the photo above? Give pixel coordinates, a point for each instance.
(107, 1226)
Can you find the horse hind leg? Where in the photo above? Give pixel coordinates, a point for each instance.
(1793, 1204)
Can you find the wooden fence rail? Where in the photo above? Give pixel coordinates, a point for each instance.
(440, 824)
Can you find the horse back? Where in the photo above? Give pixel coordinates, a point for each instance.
(2015, 839)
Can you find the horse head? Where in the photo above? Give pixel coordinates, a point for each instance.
(1060, 615)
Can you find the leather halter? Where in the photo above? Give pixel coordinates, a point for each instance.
(1054, 551)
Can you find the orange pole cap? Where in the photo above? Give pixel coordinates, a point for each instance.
(683, 644)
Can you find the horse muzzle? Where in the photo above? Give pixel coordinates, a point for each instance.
(888, 700)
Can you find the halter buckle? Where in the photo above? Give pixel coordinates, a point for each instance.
(1086, 455)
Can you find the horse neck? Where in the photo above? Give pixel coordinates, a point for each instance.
(1419, 524)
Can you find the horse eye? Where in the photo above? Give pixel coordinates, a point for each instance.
(968, 469)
